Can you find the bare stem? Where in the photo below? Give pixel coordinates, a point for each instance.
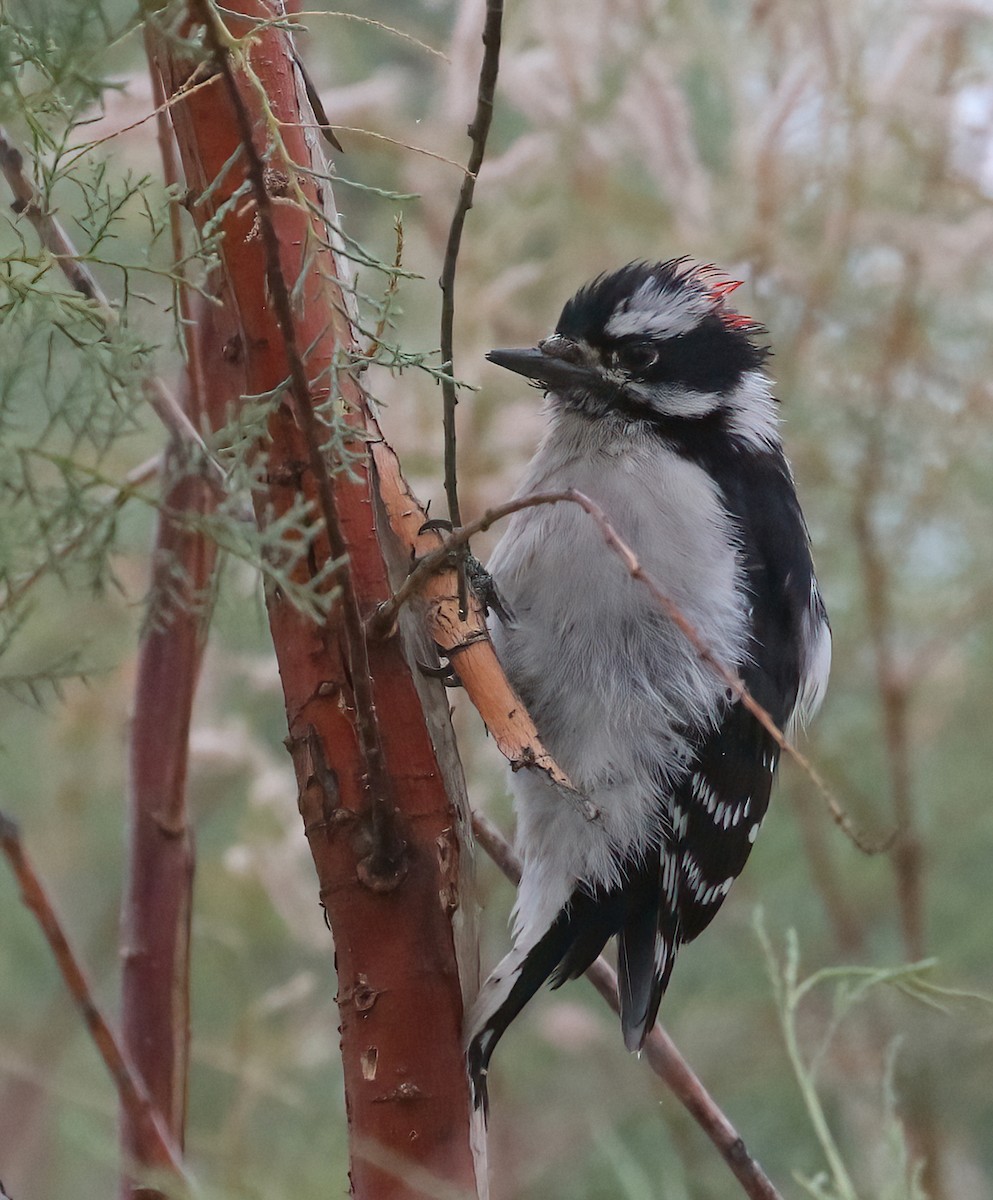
(131, 1089)
(478, 132)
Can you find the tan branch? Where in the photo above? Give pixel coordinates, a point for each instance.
(465, 641)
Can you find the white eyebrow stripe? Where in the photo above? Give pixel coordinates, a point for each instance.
(654, 310)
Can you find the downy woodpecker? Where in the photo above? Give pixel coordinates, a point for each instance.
(660, 411)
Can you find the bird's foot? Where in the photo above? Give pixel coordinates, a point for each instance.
(483, 584)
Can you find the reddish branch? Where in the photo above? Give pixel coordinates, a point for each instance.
(367, 737)
(134, 1095)
(156, 907)
(157, 904)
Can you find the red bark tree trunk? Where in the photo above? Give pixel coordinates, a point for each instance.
(389, 851)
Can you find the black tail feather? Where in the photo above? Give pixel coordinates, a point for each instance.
(538, 965)
(646, 953)
(637, 978)
(572, 942)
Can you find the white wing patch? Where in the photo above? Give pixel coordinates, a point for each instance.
(704, 793)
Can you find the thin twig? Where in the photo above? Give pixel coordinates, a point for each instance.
(459, 537)
(349, 16)
(52, 236)
(381, 137)
(386, 853)
(29, 201)
(478, 131)
(192, 85)
(133, 1094)
(134, 479)
(660, 1051)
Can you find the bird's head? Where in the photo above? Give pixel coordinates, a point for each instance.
(655, 342)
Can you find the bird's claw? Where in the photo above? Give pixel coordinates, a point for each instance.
(436, 525)
(484, 586)
(479, 579)
(445, 672)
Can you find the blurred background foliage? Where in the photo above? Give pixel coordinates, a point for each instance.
(837, 157)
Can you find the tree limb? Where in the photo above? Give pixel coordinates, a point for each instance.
(130, 1086)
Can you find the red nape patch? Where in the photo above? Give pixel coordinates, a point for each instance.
(732, 319)
(721, 291)
(718, 289)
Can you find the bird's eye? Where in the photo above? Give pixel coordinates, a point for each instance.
(636, 359)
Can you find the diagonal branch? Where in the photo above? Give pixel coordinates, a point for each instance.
(29, 201)
(131, 1088)
(459, 635)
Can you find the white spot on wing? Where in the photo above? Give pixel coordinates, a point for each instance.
(669, 878)
(694, 876)
(705, 793)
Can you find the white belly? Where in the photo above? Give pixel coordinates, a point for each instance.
(610, 681)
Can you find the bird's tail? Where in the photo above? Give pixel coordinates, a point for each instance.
(566, 949)
(646, 952)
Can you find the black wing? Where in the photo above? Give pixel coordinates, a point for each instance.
(718, 805)
(717, 811)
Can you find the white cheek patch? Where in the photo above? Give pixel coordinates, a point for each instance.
(671, 401)
(655, 311)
